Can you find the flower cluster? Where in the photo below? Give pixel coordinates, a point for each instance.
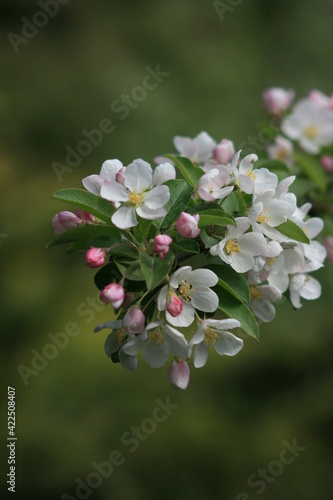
(208, 241)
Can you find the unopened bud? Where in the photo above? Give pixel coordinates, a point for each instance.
(113, 294)
(187, 225)
(95, 257)
(178, 374)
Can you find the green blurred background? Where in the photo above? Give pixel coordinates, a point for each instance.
(237, 412)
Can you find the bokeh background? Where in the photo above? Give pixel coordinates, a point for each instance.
(237, 412)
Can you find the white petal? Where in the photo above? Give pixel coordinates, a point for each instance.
(313, 227)
(311, 289)
(111, 344)
(264, 310)
(186, 317)
(241, 261)
(134, 346)
(222, 324)
(246, 184)
(110, 168)
(184, 145)
(199, 336)
(161, 299)
(242, 225)
(113, 191)
(254, 243)
(204, 299)
(228, 344)
(162, 173)
(177, 343)
(265, 180)
(200, 355)
(124, 218)
(202, 276)
(138, 176)
(150, 213)
(93, 184)
(247, 163)
(128, 362)
(157, 197)
(156, 355)
(315, 251)
(280, 281)
(182, 274)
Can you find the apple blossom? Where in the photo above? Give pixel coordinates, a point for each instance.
(252, 181)
(210, 184)
(95, 257)
(109, 171)
(277, 100)
(281, 149)
(198, 150)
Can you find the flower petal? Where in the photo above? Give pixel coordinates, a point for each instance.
(162, 173)
(110, 168)
(182, 274)
(204, 299)
(157, 197)
(177, 343)
(138, 176)
(185, 318)
(124, 218)
(128, 362)
(156, 355)
(150, 213)
(93, 184)
(200, 355)
(200, 276)
(113, 191)
(228, 344)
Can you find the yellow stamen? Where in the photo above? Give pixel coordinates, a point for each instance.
(251, 174)
(157, 338)
(254, 293)
(270, 261)
(311, 131)
(282, 154)
(232, 246)
(185, 291)
(211, 337)
(263, 217)
(135, 198)
(120, 335)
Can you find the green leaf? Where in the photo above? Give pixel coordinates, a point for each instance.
(88, 202)
(106, 275)
(213, 217)
(207, 240)
(86, 233)
(233, 282)
(230, 203)
(312, 169)
(78, 246)
(131, 269)
(235, 309)
(293, 231)
(155, 269)
(190, 172)
(141, 230)
(272, 165)
(180, 195)
(126, 251)
(190, 246)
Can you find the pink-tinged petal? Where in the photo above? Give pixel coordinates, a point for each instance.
(156, 354)
(178, 374)
(110, 168)
(228, 344)
(200, 355)
(222, 193)
(200, 276)
(204, 299)
(184, 145)
(205, 195)
(113, 191)
(93, 184)
(150, 213)
(162, 173)
(182, 274)
(157, 197)
(138, 176)
(128, 362)
(124, 218)
(254, 243)
(186, 317)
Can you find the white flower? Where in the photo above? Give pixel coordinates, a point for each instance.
(281, 149)
(137, 195)
(210, 184)
(303, 285)
(160, 341)
(237, 248)
(261, 298)
(109, 170)
(252, 181)
(198, 150)
(162, 173)
(193, 287)
(310, 125)
(270, 210)
(215, 333)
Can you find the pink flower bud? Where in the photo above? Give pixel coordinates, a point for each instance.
(174, 305)
(278, 100)
(85, 216)
(161, 244)
(327, 163)
(329, 247)
(224, 151)
(178, 374)
(187, 225)
(120, 176)
(95, 257)
(113, 293)
(64, 221)
(134, 321)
